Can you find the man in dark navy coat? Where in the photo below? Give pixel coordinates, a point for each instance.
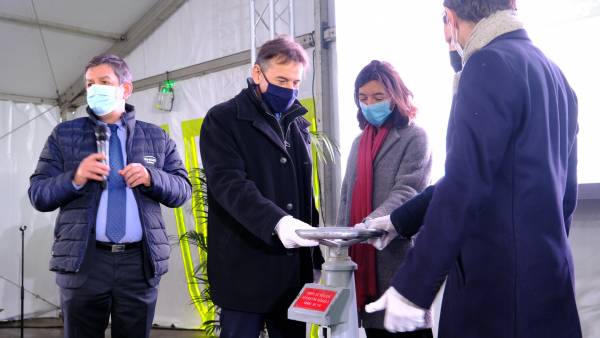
(256, 152)
(498, 221)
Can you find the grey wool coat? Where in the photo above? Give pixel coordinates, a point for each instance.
(400, 171)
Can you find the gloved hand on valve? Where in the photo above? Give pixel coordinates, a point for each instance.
(286, 230)
(380, 223)
(401, 315)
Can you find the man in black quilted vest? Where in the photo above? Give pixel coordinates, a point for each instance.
(110, 244)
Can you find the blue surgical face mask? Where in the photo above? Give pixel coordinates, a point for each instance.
(103, 99)
(279, 98)
(376, 113)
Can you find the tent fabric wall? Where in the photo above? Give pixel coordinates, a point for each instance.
(206, 30)
(19, 149)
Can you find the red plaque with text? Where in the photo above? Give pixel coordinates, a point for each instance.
(315, 299)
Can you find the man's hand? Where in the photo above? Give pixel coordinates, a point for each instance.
(286, 230)
(381, 223)
(135, 174)
(91, 169)
(400, 314)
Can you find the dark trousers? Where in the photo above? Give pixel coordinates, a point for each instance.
(377, 333)
(238, 324)
(115, 287)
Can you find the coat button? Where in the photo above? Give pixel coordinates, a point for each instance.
(289, 206)
(283, 160)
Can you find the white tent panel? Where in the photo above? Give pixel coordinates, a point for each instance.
(20, 150)
(110, 16)
(25, 67)
(24, 42)
(62, 63)
(205, 30)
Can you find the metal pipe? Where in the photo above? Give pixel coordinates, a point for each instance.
(252, 32)
(291, 20)
(271, 19)
(22, 229)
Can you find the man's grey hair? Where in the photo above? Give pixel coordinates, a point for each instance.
(282, 49)
(475, 10)
(115, 62)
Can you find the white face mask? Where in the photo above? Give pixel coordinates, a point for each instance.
(454, 40)
(103, 99)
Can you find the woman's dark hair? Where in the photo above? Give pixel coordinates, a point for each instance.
(400, 97)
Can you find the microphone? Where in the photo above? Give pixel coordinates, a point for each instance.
(101, 137)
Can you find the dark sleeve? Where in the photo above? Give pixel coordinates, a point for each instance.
(480, 130)
(170, 184)
(50, 187)
(408, 218)
(228, 183)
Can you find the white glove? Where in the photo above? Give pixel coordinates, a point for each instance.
(286, 230)
(381, 223)
(400, 314)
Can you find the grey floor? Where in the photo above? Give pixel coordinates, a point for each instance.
(51, 328)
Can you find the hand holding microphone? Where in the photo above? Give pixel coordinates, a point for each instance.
(91, 168)
(94, 166)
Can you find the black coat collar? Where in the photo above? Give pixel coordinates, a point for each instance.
(252, 95)
(251, 108)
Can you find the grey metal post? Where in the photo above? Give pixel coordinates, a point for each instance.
(327, 118)
(338, 271)
(271, 19)
(252, 32)
(291, 19)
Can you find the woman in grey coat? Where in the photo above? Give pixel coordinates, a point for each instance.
(389, 162)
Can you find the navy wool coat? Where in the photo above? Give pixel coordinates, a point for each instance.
(498, 221)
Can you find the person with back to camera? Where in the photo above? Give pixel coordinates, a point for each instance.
(498, 222)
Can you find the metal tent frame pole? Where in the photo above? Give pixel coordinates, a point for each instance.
(259, 22)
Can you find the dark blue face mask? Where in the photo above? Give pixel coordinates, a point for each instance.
(455, 61)
(279, 98)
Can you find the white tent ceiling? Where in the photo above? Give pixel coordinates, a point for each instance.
(46, 44)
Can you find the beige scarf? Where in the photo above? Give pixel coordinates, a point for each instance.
(486, 30)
